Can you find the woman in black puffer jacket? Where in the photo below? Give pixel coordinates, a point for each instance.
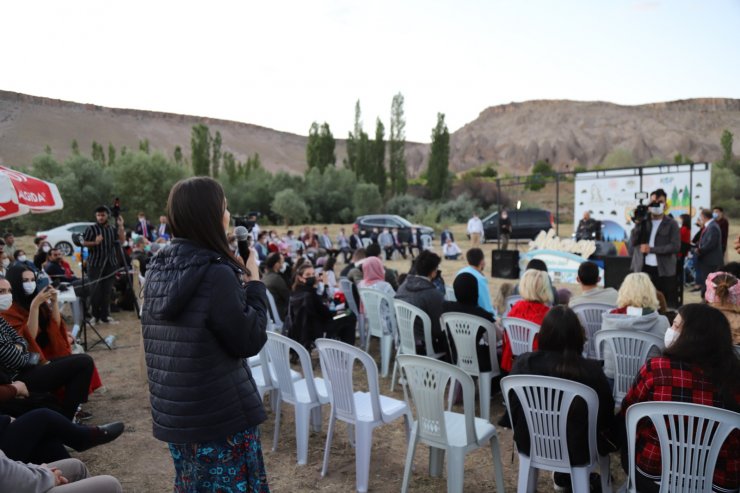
(203, 315)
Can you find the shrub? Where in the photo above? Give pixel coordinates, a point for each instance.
(405, 205)
(292, 208)
(458, 210)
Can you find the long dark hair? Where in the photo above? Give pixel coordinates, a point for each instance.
(705, 340)
(685, 221)
(195, 210)
(15, 277)
(562, 332)
(297, 283)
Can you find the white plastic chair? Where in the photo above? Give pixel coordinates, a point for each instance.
(406, 315)
(511, 300)
(307, 394)
(346, 286)
(590, 315)
(373, 300)
(274, 318)
(546, 402)
(690, 436)
(628, 350)
(366, 242)
(450, 294)
(455, 433)
(364, 410)
(426, 242)
(520, 333)
(464, 330)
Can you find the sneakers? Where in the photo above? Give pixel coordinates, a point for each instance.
(81, 416)
(106, 320)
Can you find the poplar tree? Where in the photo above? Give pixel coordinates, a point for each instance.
(397, 147)
(439, 160)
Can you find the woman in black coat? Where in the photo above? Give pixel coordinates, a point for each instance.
(205, 311)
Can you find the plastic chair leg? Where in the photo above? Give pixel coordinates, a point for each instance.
(363, 449)
(455, 470)
(498, 467)
(484, 384)
(579, 480)
(316, 419)
(386, 346)
(527, 476)
(327, 447)
(436, 459)
(276, 433)
(409, 460)
(605, 473)
(302, 419)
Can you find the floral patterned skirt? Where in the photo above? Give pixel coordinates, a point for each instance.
(231, 465)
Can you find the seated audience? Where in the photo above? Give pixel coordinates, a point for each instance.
(355, 241)
(357, 257)
(4, 264)
(561, 342)
(466, 292)
(42, 254)
(330, 278)
(59, 269)
(397, 245)
(343, 245)
(391, 275)
(723, 293)
(373, 277)
(414, 242)
(20, 258)
(537, 296)
(385, 240)
(21, 349)
(450, 250)
(699, 365)
(499, 297)
(476, 267)
(538, 264)
(276, 284)
(637, 304)
(420, 291)
(591, 292)
(261, 246)
(10, 245)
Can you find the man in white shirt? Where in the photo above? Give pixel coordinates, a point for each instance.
(475, 230)
(588, 278)
(450, 250)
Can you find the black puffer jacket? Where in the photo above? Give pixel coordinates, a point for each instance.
(199, 324)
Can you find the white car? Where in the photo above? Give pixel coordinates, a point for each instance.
(61, 237)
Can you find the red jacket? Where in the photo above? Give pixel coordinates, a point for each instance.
(533, 311)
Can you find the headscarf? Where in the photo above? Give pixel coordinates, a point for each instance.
(723, 288)
(372, 271)
(466, 289)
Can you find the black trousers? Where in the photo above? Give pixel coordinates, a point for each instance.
(39, 437)
(664, 284)
(72, 373)
(101, 284)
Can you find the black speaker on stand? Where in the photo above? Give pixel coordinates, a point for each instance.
(615, 270)
(505, 264)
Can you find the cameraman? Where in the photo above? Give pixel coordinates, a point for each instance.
(102, 262)
(656, 248)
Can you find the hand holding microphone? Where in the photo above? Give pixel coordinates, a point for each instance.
(248, 255)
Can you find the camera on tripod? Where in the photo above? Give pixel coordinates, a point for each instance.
(248, 221)
(641, 212)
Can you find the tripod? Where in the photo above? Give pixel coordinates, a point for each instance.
(127, 273)
(85, 322)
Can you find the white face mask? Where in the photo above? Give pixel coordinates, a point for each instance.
(283, 267)
(29, 287)
(658, 210)
(21, 258)
(5, 301)
(6, 262)
(670, 336)
(46, 248)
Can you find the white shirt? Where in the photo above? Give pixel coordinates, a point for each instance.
(451, 249)
(475, 225)
(651, 259)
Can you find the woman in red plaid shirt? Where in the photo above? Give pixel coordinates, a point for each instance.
(700, 366)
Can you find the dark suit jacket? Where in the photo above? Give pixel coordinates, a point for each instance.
(149, 230)
(355, 242)
(709, 251)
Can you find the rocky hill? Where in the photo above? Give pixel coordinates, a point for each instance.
(515, 135)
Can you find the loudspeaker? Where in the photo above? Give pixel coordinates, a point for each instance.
(505, 263)
(616, 269)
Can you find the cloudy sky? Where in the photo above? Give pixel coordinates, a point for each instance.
(284, 64)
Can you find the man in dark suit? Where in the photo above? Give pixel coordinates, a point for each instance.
(144, 227)
(355, 241)
(709, 249)
(163, 230)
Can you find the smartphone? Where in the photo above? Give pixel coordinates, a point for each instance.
(42, 282)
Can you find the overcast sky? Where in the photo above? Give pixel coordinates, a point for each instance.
(284, 64)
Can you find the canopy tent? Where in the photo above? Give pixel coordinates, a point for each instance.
(21, 194)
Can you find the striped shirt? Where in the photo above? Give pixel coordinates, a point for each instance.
(11, 358)
(105, 252)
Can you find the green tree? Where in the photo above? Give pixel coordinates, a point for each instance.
(47, 149)
(216, 154)
(177, 155)
(397, 147)
(75, 148)
(726, 142)
(230, 168)
(98, 155)
(541, 171)
(353, 141)
(111, 154)
(367, 199)
(439, 160)
(617, 158)
(327, 146)
(144, 146)
(378, 157)
(312, 147)
(363, 158)
(200, 150)
(290, 207)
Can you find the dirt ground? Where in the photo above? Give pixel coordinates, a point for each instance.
(143, 464)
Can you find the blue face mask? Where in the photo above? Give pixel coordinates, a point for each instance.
(715, 215)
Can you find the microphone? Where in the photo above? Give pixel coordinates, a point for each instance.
(242, 235)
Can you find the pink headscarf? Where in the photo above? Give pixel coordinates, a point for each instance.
(372, 271)
(733, 295)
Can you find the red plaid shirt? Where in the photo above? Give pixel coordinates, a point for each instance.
(663, 379)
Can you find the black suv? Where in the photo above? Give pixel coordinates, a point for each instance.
(390, 221)
(525, 224)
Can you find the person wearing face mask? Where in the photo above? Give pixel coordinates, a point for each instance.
(708, 249)
(275, 282)
(699, 365)
(718, 214)
(20, 257)
(4, 264)
(385, 240)
(42, 255)
(504, 229)
(657, 257)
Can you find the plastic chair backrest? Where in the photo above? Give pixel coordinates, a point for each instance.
(373, 300)
(278, 351)
(274, 315)
(590, 315)
(346, 286)
(426, 242)
(366, 242)
(521, 334)
(337, 361)
(464, 330)
(406, 315)
(428, 380)
(629, 351)
(690, 437)
(450, 294)
(546, 402)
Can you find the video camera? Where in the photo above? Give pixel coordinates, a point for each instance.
(640, 213)
(247, 220)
